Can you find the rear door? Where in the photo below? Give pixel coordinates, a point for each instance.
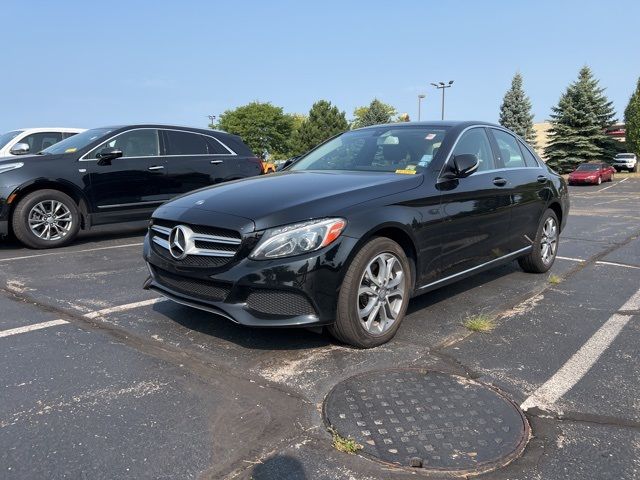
(195, 160)
(527, 183)
(476, 209)
(130, 187)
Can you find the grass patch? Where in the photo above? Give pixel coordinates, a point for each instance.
(554, 279)
(479, 323)
(346, 445)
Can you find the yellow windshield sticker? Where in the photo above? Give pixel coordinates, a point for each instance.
(70, 150)
(406, 172)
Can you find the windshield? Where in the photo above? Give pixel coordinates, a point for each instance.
(589, 166)
(620, 155)
(7, 137)
(384, 149)
(76, 142)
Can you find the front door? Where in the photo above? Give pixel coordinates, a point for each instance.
(132, 186)
(476, 210)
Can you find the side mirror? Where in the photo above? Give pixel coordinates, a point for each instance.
(108, 154)
(19, 149)
(465, 164)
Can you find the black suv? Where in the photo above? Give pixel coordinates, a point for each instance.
(347, 234)
(111, 175)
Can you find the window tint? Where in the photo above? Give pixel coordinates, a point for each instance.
(40, 141)
(216, 148)
(134, 143)
(529, 159)
(510, 154)
(476, 142)
(185, 143)
(68, 134)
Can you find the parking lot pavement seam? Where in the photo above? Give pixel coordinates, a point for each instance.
(579, 417)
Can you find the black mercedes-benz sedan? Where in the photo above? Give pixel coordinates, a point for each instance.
(112, 175)
(347, 234)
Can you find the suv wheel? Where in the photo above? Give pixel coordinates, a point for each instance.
(46, 219)
(374, 295)
(545, 246)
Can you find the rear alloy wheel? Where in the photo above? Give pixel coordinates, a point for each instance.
(46, 219)
(545, 246)
(374, 295)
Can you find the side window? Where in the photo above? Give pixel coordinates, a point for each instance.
(475, 141)
(68, 134)
(40, 141)
(216, 148)
(186, 143)
(134, 143)
(529, 159)
(510, 154)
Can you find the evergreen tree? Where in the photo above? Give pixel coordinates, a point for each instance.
(632, 122)
(577, 133)
(324, 121)
(515, 111)
(375, 113)
(603, 109)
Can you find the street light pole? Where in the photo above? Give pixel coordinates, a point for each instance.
(211, 119)
(442, 86)
(420, 97)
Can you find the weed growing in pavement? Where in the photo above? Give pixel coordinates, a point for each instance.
(346, 445)
(554, 279)
(479, 323)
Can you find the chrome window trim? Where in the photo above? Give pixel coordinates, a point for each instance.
(84, 158)
(504, 169)
(482, 265)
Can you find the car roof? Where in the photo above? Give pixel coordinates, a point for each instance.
(49, 129)
(166, 126)
(435, 123)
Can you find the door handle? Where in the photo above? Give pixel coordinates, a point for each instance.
(156, 167)
(499, 181)
(215, 162)
(542, 179)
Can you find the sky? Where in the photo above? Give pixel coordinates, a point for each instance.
(89, 63)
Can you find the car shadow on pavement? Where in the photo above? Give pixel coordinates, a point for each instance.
(302, 338)
(279, 467)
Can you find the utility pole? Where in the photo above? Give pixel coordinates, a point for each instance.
(420, 97)
(442, 86)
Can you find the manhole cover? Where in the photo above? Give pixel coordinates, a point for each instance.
(429, 419)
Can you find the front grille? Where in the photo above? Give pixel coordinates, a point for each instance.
(278, 302)
(204, 290)
(212, 246)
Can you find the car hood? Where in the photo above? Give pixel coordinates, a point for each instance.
(288, 197)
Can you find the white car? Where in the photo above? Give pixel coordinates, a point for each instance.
(33, 140)
(625, 161)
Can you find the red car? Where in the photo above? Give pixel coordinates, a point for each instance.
(594, 173)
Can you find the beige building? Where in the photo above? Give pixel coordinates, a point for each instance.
(542, 133)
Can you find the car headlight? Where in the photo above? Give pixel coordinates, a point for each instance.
(298, 238)
(10, 166)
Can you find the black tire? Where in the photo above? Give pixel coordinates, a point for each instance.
(23, 231)
(349, 328)
(534, 262)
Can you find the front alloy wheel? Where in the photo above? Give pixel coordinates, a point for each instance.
(46, 219)
(381, 293)
(374, 295)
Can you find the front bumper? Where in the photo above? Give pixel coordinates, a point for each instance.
(296, 291)
(575, 181)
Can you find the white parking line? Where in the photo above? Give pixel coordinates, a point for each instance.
(90, 315)
(613, 185)
(600, 262)
(123, 308)
(31, 328)
(581, 362)
(570, 259)
(70, 252)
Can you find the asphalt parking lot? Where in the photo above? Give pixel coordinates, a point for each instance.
(101, 379)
